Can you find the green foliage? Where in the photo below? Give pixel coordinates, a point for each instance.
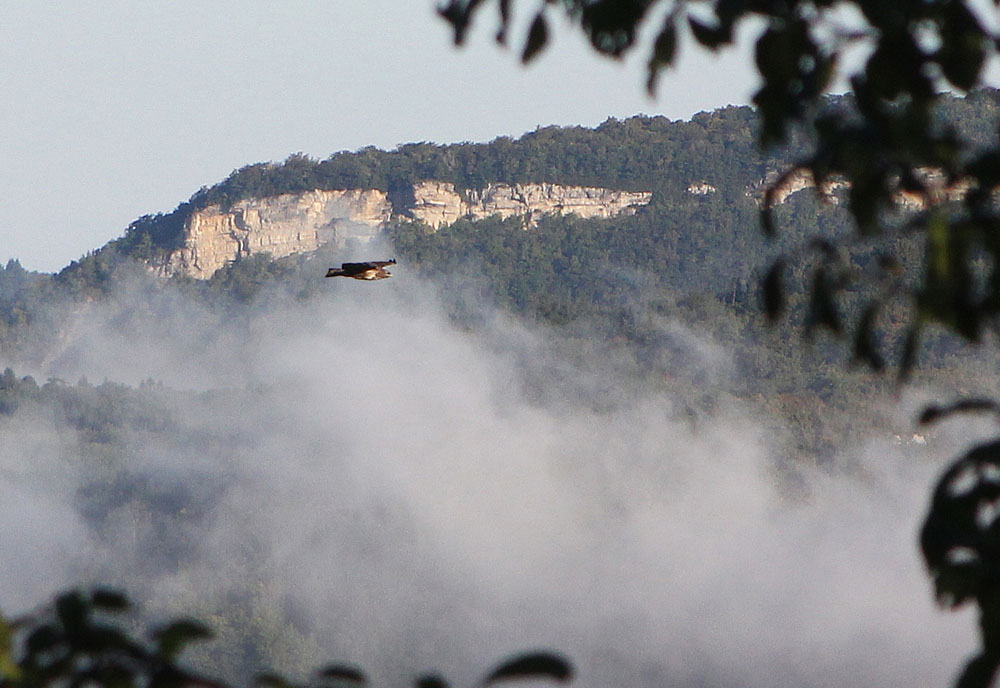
(886, 139)
(81, 639)
(678, 237)
(243, 279)
(641, 153)
(685, 257)
(149, 236)
(959, 542)
(892, 138)
(536, 665)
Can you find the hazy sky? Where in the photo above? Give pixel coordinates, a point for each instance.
(119, 108)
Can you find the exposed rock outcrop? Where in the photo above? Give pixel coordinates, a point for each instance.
(936, 189)
(792, 184)
(438, 203)
(295, 223)
(701, 189)
(281, 226)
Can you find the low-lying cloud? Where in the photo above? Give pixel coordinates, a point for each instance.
(416, 496)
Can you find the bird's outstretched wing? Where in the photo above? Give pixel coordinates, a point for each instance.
(370, 270)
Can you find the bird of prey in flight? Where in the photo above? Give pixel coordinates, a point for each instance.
(372, 270)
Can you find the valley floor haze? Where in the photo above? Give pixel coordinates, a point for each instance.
(371, 482)
(550, 430)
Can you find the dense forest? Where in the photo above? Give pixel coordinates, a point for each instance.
(683, 248)
(635, 291)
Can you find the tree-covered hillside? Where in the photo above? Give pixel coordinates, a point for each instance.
(668, 158)
(666, 299)
(683, 245)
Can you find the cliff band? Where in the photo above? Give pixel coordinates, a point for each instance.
(295, 223)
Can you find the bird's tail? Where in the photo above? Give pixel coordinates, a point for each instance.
(334, 272)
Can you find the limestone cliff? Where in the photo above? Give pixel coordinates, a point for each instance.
(281, 226)
(438, 204)
(295, 223)
(937, 189)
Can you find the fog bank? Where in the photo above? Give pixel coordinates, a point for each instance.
(413, 496)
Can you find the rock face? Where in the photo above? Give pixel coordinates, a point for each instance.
(295, 223)
(701, 188)
(799, 180)
(281, 226)
(438, 204)
(936, 189)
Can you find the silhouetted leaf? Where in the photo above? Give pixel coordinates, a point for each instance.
(342, 672)
(708, 36)
(958, 555)
(911, 345)
(776, 55)
(611, 25)
(72, 611)
(963, 47)
(9, 670)
(43, 638)
(533, 665)
(538, 36)
(986, 168)
(767, 223)
(958, 583)
(109, 600)
(822, 309)
(978, 672)
(458, 13)
(934, 413)
(664, 51)
(106, 638)
(431, 681)
(172, 639)
(503, 7)
(864, 200)
(865, 344)
(272, 680)
(773, 291)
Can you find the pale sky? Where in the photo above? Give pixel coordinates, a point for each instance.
(117, 108)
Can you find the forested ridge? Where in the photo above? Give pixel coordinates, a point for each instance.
(697, 257)
(632, 289)
(641, 154)
(682, 244)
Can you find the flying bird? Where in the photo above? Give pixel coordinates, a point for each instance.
(372, 270)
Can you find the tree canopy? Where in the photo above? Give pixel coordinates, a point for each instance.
(888, 145)
(889, 142)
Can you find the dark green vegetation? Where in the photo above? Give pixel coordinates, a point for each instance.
(683, 246)
(882, 146)
(691, 260)
(83, 640)
(641, 153)
(683, 242)
(884, 280)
